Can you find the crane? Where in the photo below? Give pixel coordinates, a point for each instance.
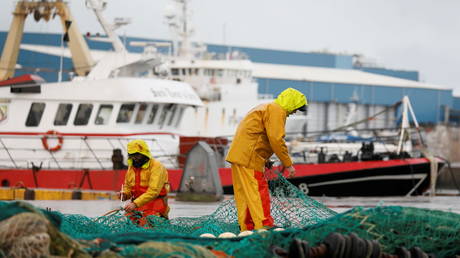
(44, 9)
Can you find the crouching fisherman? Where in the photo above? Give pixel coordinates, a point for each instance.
(146, 184)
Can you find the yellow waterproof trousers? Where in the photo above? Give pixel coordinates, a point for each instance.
(252, 198)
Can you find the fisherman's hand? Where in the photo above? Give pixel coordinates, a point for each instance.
(130, 206)
(269, 164)
(291, 171)
(122, 196)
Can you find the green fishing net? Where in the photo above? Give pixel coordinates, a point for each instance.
(302, 217)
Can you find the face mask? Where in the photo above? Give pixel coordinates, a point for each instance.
(137, 163)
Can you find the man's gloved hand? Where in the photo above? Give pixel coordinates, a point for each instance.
(130, 206)
(122, 196)
(269, 164)
(291, 171)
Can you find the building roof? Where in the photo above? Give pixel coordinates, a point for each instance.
(334, 75)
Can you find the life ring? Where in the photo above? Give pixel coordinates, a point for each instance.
(45, 141)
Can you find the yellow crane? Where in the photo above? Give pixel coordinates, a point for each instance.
(81, 58)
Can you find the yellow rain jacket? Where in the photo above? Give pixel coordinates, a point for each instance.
(153, 176)
(261, 133)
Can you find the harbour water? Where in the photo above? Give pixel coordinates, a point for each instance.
(196, 209)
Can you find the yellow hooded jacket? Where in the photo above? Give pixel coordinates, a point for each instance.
(261, 133)
(153, 175)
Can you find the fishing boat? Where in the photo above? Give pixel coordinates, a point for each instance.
(83, 124)
(69, 157)
(73, 134)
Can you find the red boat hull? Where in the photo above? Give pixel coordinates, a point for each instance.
(348, 179)
(365, 178)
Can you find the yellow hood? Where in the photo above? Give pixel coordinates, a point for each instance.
(291, 99)
(141, 147)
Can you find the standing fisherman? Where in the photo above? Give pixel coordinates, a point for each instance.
(259, 135)
(146, 184)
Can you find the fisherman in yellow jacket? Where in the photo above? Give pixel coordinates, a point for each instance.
(146, 184)
(259, 135)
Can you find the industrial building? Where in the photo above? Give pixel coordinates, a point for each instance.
(332, 82)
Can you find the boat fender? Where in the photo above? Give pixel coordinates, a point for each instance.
(208, 235)
(227, 235)
(245, 233)
(29, 194)
(45, 141)
(76, 195)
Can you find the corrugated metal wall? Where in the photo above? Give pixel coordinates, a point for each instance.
(427, 103)
(456, 102)
(409, 75)
(272, 56)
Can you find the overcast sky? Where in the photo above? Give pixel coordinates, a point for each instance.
(421, 35)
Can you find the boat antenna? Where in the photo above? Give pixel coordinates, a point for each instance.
(61, 59)
(177, 17)
(98, 6)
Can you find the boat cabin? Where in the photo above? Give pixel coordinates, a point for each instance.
(88, 119)
(213, 78)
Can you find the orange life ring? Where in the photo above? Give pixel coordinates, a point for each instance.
(45, 141)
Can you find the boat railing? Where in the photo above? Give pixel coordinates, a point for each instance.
(99, 152)
(344, 146)
(333, 146)
(77, 152)
(339, 146)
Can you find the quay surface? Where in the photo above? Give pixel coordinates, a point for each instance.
(195, 209)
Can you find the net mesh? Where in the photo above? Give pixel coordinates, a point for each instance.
(301, 216)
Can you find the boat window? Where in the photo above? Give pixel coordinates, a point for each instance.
(184, 71)
(103, 114)
(179, 118)
(163, 114)
(35, 114)
(3, 112)
(174, 71)
(140, 113)
(219, 72)
(83, 114)
(190, 71)
(62, 114)
(173, 112)
(195, 71)
(126, 111)
(153, 114)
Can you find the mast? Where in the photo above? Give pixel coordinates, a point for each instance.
(98, 6)
(405, 125)
(178, 16)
